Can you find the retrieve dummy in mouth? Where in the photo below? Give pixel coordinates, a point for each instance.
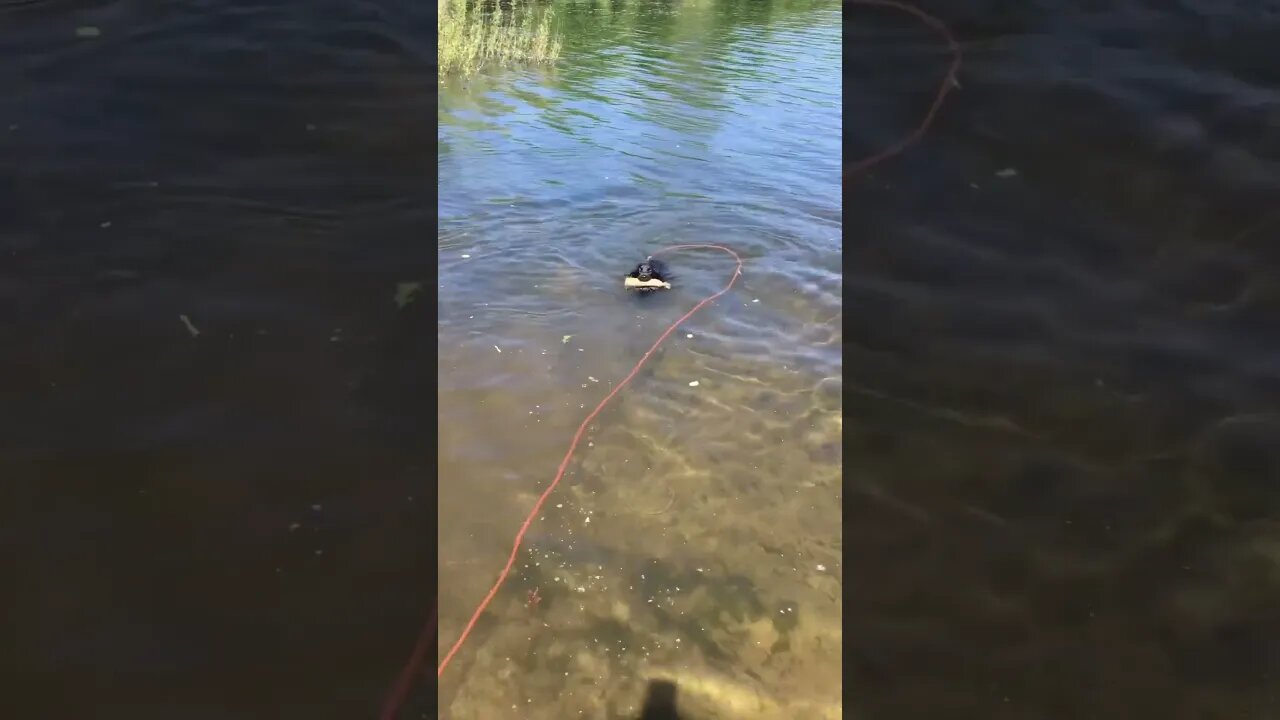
(648, 276)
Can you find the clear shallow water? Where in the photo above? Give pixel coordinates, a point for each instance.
(698, 534)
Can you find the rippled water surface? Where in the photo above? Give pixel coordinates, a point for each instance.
(697, 534)
(1062, 366)
(222, 516)
(1056, 320)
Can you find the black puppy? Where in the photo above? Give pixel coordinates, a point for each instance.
(649, 271)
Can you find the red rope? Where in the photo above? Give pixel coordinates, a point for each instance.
(577, 437)
(949, 82)
(405, 680)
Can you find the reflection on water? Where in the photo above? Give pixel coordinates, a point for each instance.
(697, 535)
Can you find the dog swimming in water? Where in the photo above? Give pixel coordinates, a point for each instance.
(648, 276)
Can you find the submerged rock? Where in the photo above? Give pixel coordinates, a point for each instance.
(1238, 458)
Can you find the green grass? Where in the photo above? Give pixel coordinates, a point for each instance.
(471, 37)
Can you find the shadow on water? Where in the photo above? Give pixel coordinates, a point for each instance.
(660, 702)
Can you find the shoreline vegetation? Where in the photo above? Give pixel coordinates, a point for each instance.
(475, 33)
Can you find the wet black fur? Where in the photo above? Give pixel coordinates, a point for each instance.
(650, 269)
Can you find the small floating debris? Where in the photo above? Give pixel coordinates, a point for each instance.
(406, 292)
(689, 335)
(821, 567)
(195, 331)
(693, 383)
(495, 347)
(756, 300)
(88, 31)
(465, 256)
(317, 507)
(592, 379)
(104, 224)
(1006, 173)
(294, 526)
(565, 340)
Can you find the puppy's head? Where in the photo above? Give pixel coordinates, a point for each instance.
(644, 271)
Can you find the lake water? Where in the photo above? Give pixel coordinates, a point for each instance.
(697, 534)
(1062, 365)
(1054, 446)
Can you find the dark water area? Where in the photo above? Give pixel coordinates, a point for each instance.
(237, 523)
(1062, 416)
